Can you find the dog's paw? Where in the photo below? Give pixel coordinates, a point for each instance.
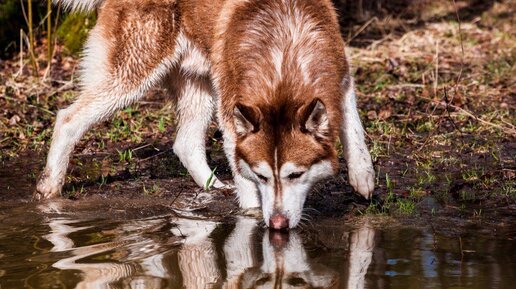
(361, 178)
(47, 188)
(218, 185)
(252, 212)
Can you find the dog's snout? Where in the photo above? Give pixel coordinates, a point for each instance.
(278, 222)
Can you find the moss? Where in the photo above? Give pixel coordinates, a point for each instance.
(74, 30)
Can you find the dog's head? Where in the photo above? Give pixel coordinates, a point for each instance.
(284, 148)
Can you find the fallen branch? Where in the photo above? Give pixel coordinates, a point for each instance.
(470, 114)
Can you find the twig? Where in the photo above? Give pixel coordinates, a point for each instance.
(449, 115)
(362, 28)
(461, 43)
(436, 79)
(23, 12)
(20, 71)
(153, 156)
(505, 129)
(375, 43)
(31, 38)
(470, 114)
(403, 85)
(49, 33)
(507, 123)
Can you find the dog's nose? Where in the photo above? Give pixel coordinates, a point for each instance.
(278, 222)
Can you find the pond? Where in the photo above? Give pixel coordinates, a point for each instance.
(44, 246)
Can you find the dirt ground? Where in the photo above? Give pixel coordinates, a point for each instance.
(437, 99)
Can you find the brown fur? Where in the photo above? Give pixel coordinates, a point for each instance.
(147, 28)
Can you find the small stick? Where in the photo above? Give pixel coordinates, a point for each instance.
(49, 32)
(436, 79)
(470, 114)
(21, 53)
(507, 129)
(362, 28)
(461, 43)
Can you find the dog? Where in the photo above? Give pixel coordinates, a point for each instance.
(275, 72)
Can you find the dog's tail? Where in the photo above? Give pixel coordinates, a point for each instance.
(80, 5)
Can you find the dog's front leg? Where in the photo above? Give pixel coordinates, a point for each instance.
(246, 190)
(360, 166)
(195, 109)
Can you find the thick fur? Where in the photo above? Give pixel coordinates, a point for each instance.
(275, 69)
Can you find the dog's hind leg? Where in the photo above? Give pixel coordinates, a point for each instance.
(360, 166)
(129, 51)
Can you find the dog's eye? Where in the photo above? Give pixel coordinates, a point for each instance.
(295, 175)
(262, 177)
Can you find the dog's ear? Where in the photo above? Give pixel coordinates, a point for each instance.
(246, 119)
(314, 119)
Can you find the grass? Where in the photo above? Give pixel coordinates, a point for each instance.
(210, 180)
(125, 156)
(392, 204)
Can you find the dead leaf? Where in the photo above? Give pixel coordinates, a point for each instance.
(14, 120)
(385, 113)
(371, 115)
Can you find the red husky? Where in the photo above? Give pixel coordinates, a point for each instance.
(274, 69)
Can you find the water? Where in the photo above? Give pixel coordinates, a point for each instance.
(45, 249)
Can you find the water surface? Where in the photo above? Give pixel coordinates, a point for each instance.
(39, 249)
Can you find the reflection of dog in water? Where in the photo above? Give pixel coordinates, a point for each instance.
(141, 260)
(286, 265)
